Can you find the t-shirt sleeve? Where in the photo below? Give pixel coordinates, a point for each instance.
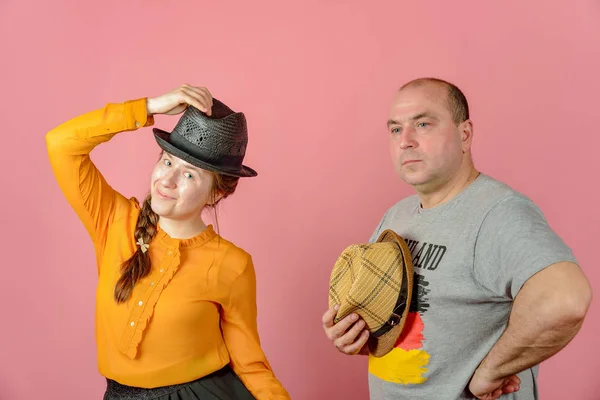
(379, 227)
(514, 243)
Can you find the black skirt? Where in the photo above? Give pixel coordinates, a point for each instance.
(220, 385)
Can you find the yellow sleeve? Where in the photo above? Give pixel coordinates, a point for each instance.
(84, 187)
(241, 338)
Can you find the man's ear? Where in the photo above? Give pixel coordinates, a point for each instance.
(466, 132)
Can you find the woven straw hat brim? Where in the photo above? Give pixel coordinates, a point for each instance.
(162, 140)
(379, 347)
(343, 274)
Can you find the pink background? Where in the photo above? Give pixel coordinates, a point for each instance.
(315, 80)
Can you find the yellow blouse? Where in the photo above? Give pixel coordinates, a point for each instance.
(195, 312)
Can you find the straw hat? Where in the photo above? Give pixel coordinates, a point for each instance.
(216, 143)
(375, 281)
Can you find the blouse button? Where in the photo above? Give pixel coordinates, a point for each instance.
(162, 270)
(140, 303)
(151, 283)
(132, 323)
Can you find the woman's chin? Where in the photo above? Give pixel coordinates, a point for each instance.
(159, 208)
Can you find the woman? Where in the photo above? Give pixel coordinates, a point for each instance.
(175, 303)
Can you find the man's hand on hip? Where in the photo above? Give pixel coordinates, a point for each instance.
(487, 388)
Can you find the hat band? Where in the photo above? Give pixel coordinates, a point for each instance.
(228, 162)
(398, 310)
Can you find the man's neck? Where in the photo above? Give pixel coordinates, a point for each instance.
(182, 229)
(448, 190)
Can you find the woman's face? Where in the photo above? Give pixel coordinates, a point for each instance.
(179, 190)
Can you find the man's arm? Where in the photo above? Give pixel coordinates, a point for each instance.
(547, 313)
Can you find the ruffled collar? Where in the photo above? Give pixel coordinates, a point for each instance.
(203, 237)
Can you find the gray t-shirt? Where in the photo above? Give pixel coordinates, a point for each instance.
(471, 255)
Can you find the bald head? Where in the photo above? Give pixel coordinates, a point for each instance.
(455, 99)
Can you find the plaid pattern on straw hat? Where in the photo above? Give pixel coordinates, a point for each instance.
(375, 281)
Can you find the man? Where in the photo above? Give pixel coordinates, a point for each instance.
(496, 290)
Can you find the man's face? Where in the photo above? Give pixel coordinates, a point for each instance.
(426, 145)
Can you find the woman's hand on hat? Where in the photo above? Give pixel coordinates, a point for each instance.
(348, 335)
(177, 100)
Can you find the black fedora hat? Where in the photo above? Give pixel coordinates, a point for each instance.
(215, 143)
